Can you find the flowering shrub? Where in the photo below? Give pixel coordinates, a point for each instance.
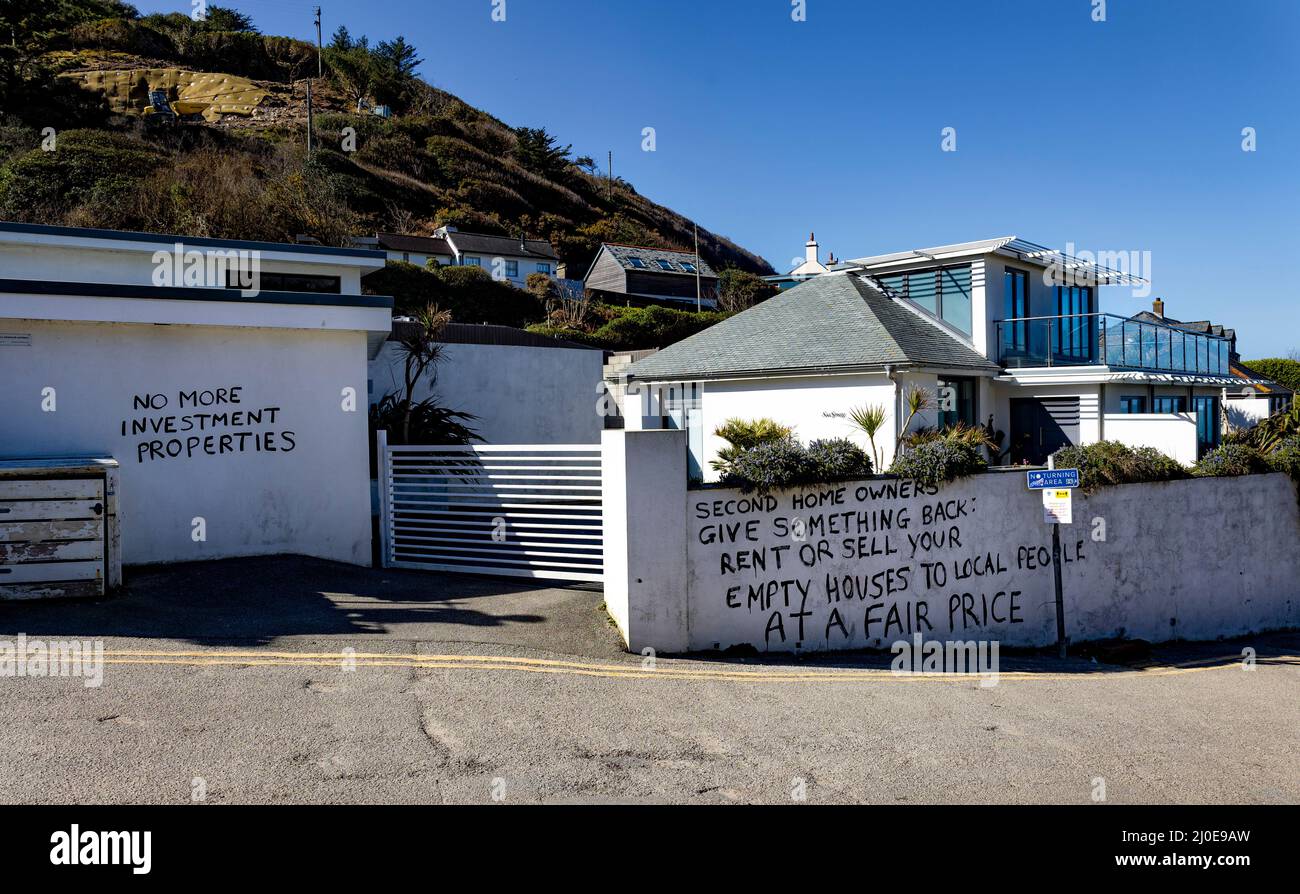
(838, 459)
(1109, 462)
(772, 464)
(1231, 460)
(939, 461)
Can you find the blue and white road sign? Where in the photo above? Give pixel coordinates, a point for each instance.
(1050, 479)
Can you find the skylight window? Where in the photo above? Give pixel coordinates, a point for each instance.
(665, 264)
(688, 266)
(637, 263)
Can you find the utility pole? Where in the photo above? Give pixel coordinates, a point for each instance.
(610, 173)
(697, 268)
(320, 66)
(309, 133)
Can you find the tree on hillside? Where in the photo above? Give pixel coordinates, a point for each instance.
(1283, 370)
(400, 55)
(221, 18)
(739, 289)
(538, 152)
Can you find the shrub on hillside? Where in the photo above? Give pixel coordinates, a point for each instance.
(97, 168)
(654, 327)
(939, 461)
(839, 459)
(1231, 460)
(469, 293)
(1109, 462)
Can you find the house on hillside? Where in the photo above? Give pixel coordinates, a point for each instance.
(1002, 332)
(508, 258)
(642, 275)
(806, 269)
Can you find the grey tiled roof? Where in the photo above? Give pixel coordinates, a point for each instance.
(650, 256)
(504, 246)
(834, 322)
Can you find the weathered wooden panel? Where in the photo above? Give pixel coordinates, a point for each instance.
(69, 529)
(52, 571)
(65, 590)
(31, 510)
(53, 489)
(50, 551)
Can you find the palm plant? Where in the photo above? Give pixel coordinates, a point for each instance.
(916, 400)
(870, 419)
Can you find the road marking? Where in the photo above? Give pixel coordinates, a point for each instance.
(217, 658)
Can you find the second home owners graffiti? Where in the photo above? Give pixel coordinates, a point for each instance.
(200, 422)
(864, 564)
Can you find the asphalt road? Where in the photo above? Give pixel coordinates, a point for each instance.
(232, 680)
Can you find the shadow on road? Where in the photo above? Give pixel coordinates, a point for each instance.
(256, 600)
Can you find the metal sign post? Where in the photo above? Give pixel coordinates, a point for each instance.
(1056, 485)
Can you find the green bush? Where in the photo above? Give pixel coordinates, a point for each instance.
(654, 327)
(1286, 458)
(89, 166)
(1110, 462)
(1231, 460)
(772, 464)
(469, 293)
(1282, 370)
(839, 459)
(939, 461)
(743, 435)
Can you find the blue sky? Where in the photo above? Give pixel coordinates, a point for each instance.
(1121, 135)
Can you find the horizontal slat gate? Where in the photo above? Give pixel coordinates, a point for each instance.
(52, 537)
(522, 510)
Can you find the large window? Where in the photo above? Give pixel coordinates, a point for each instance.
(1208, 424)
(956, 399)
(942, 292)
(1015, 306)
(1170, 404)
(289, 282)
(1131, 403)
(1073, 336)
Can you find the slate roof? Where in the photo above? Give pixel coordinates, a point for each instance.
(502, 246)
(1204, 327)
(836, 322)
(650, 257)
(425, 245)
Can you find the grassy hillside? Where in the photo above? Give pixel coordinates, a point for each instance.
(436, 161)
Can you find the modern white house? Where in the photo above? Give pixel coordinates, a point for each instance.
(227, 380)
(1001, 332)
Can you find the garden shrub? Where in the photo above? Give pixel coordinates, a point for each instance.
(939, 461)
(772, 464)
(654, 327)
(1230, 460)
(1109, 462)
(838, 459)
(1286, 458)
(746, 434)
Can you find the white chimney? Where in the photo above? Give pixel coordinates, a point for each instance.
(810, 250)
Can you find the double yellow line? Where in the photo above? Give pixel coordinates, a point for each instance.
(659, 671)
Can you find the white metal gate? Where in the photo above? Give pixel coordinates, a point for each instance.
(520, 509)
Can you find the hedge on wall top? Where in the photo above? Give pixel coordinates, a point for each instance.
(1104, 463)
(939, 461)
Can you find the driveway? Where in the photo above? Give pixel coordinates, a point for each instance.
(292, 680)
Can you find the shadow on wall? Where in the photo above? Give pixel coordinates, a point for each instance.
(254, 601)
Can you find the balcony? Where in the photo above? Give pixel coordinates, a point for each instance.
(1109, 340)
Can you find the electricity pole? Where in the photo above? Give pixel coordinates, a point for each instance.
(320, 66)
(697, 268)
(610, 172)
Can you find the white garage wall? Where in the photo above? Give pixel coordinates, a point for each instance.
(309, 495)
(521, 394)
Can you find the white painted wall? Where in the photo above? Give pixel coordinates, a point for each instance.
(1245, 412)
(1173, 434)
(521, 394)
(815, 406)
(1179, 559)
(308, 496)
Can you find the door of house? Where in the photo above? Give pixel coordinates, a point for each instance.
(1208, 428)
(1042, 426)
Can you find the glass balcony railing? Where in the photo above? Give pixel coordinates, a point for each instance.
(1109, 340)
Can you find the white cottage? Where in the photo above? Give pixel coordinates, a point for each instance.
(228, 379)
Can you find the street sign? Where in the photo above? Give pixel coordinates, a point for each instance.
(1054, 479)
(1056, 507)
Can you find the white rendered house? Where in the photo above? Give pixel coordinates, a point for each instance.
(1002, 332)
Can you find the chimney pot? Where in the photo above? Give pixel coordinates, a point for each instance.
(1158, 308)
